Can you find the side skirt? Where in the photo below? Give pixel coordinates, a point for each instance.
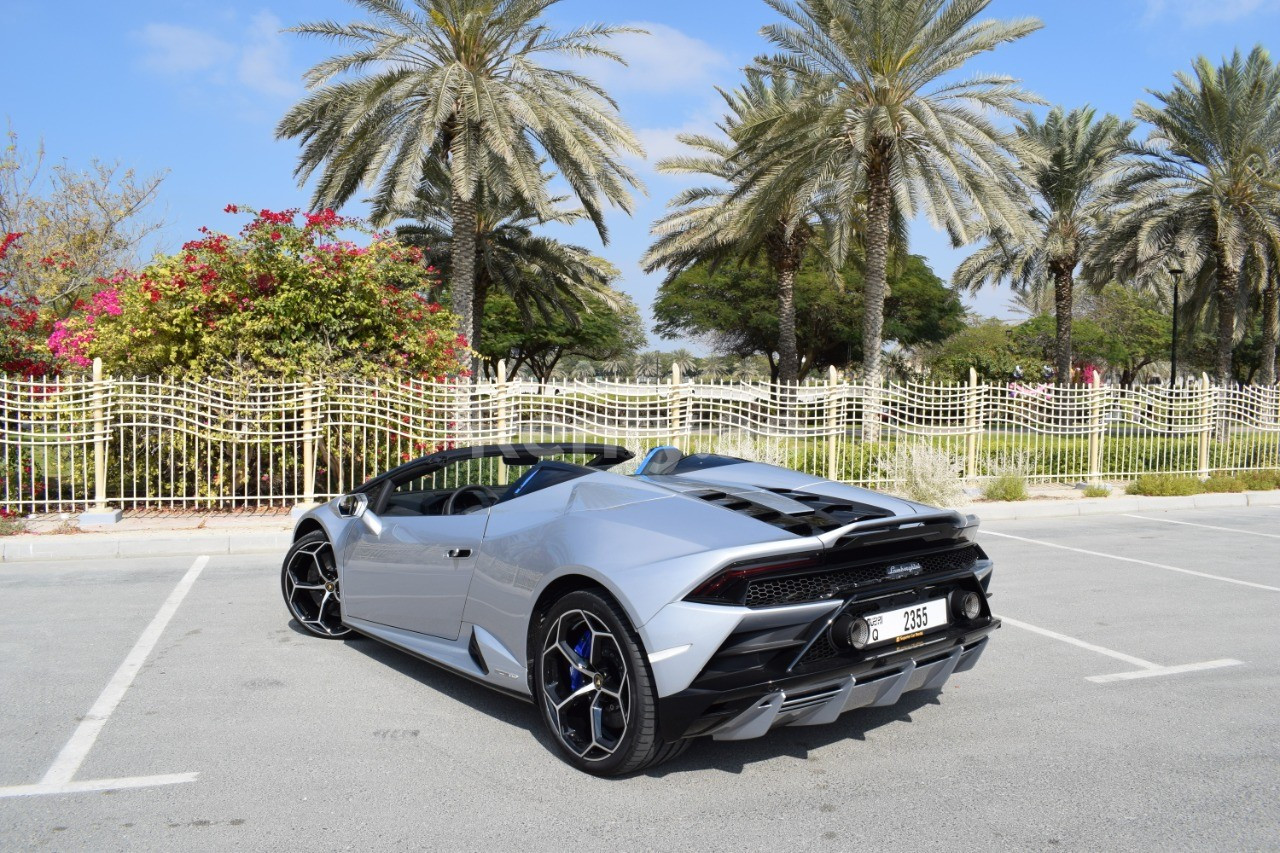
(454, 655)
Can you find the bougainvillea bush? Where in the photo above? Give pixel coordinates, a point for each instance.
(288, 296)
(24, 326)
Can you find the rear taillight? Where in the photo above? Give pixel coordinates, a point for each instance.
(729, 586)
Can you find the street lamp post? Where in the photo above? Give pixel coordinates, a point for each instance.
(1176, 272)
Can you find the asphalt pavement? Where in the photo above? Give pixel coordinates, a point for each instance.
(1129, 701)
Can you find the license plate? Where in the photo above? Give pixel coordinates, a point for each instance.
(907, 623)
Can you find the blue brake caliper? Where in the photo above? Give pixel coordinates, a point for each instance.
(583, 648)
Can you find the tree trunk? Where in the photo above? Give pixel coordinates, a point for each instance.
(1064, 303)
(788, 356)
(876, 284)
(462, 284)
(879, 220)
(477, 322)
(1228, 282)
(1270, 330)
(785, 254)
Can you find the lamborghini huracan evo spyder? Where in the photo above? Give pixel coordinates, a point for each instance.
(702, 595)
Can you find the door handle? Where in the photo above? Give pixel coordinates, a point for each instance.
(458, 553)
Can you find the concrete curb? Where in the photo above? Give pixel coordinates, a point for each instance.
(158, 544)
(1013, 510)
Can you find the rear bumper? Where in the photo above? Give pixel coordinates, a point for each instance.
(819, 698)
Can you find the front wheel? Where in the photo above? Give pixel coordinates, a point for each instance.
(309, 582)
(593, 685)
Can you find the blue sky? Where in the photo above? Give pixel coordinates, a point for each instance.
(196, 88)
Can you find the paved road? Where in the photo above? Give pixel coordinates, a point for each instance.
(348, 745)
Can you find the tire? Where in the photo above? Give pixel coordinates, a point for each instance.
(309, 583)
(593, 686)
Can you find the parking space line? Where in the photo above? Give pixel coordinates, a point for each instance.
(1148, 669)
(1164, 670)
(1205, 526)
(91, 785)
(1054, 635)
(1132, 560)
(58, 779)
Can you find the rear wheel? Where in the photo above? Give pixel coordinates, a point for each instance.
(309, 582)
(594, 688)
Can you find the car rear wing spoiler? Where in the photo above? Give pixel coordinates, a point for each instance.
(945, 524)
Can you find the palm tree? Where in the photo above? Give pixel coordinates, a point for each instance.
(1270, 325)
(1068, 162)
(539, 273)
(717, 224)
(461, 81)
(1031, 302)
(1205, 189)
(685, 360)
(619, 367)
(884, 125)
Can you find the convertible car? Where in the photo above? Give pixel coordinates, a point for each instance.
(701, 595)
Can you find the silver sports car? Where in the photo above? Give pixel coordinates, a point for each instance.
(702, 595)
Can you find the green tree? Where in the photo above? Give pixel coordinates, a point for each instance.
(1068, 163)
(1203, 195)
(885, 126)
(461, 81)
(730, 306)
(1136, 327)
(986, 345)
(609, 330)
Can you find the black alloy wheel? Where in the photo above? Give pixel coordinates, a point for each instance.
(309, 582)
(594, 688)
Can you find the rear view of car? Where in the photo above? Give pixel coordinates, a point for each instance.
(702, 596)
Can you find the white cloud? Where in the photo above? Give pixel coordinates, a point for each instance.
(173, 49)
(263, 60)
(256, 57)
(1198, 12)
(663, 60)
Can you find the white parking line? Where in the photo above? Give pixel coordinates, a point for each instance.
(59, 778)
(1205, 526)
(1132, 560)
(1148, 669)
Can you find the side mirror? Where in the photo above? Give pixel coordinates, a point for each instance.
(353, 506)
(357, 506)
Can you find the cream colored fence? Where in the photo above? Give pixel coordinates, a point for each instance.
(71, 443)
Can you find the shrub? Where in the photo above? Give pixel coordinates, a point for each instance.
(1009, 472)
(743, 446)
(284, 298)
(1007, 487)
(1259, 480)
(1095, 491)
(1165, 485)
(924, 473)
(1224, 483)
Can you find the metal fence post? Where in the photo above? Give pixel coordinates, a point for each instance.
(500, 414)
(308, 444)
(99, 513)
(973, 426)
(1207, 418)
(673, 402)
(1097, 425)
(833, 423)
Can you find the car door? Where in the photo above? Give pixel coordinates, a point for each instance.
(414, 571)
